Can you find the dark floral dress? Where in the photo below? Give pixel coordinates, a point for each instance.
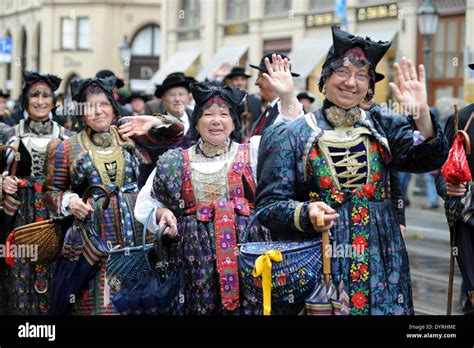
(212, 212)
(347, 168)
(73, 169)
(29, 283)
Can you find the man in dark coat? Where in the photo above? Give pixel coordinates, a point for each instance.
(465, 225)
(175, 99)
(250, 108)
(137, 102)
(270, 114)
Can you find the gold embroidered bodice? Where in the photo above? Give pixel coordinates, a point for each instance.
(345, 149)
(109, 161)
(209, 175)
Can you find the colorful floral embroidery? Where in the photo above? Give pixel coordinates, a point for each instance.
(359, 300)
(326, 182)
(359, 197)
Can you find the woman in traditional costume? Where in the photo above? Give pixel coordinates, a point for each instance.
(29, 283)
(207, 193)
(337, 158)
(101, 154)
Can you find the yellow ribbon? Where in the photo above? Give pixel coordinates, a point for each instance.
(263, 267)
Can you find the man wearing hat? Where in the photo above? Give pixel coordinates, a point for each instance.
(4, 113)
(464, 240)
(250, 108)
(306, 99)
(175, 99)
(137, 102)
(268, 94)
(174, 94)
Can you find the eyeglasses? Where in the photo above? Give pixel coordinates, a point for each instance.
(91, 107)
(344, 73)
(35, 95)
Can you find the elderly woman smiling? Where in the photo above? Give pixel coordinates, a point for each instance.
(194, 190)
(99, 155)
(29, 284)
(337, 160)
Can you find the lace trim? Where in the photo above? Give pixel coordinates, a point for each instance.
(210, 151)
(40, 127)
(196, 155)
(100, 139)
(338, 117)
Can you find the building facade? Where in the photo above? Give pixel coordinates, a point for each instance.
(76, 38)
(199, 35)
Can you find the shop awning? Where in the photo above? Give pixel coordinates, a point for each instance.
(230, 54)
(383, 34)
(306, 55)
(179, 61)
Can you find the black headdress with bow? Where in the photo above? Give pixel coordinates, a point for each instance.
(106, 84)
(202, 92)
(30, 78)
(343, 41)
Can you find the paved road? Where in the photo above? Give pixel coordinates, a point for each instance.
(428, 249)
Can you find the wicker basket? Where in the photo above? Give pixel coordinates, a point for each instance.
(293, 278)
(46, 235)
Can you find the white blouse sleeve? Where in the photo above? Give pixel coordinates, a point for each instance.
(282, 118)
(254, 142)
(146, 203)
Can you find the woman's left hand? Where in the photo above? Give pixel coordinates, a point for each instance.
(137, 125)
(412, 95)
(411, 89)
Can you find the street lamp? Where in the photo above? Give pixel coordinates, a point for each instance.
(125, 54)
(427, 25)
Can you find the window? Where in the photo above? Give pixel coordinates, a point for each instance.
(189, 13)
(75, 33)
(67, 33)
(146, 49)
(277, 45)
(447, 60)
(82, 33)
(322, 5)
(147, 42)
(189, 19)
(277, 7)
(237, 9)
(445, 77)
